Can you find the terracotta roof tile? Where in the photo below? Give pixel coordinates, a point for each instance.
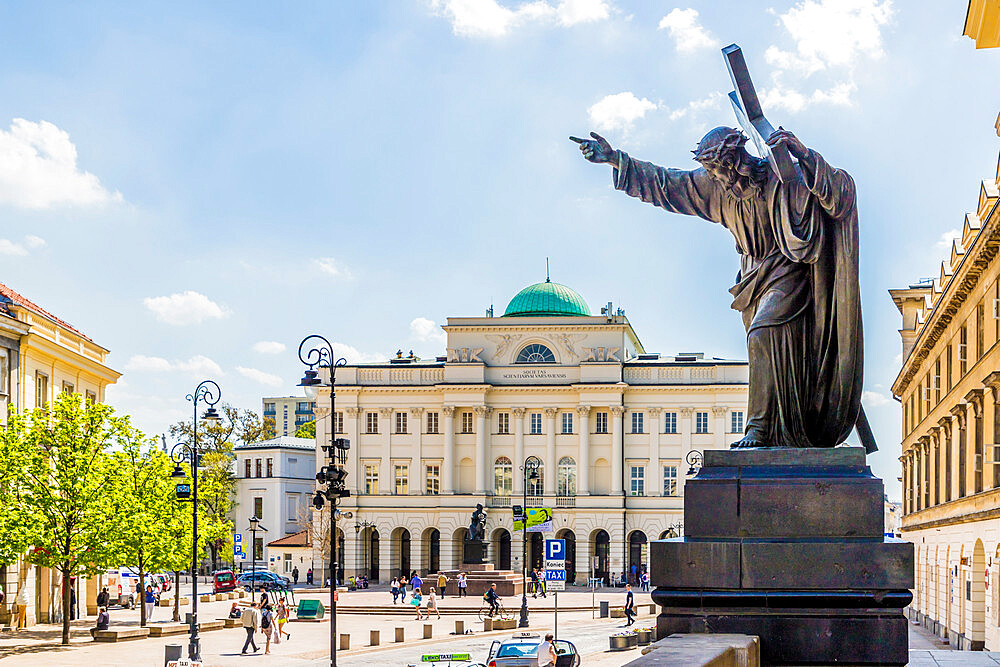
(7, 294)
(299, 539)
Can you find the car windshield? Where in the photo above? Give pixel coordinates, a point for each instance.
(517, 650)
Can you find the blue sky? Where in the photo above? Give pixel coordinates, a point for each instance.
(197, 185)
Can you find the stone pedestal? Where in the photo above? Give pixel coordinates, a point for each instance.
(476, 552)
(788, 545)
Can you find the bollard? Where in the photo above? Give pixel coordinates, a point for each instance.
(399, 634)
(428, 629)
(345, 642)
(487, 625)
(171, 652)
(459, 627)
(373, 635)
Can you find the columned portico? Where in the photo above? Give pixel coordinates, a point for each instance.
(448, 465)
(616, 447)
(583, 474)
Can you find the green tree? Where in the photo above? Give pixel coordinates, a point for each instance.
(150, 522)
(307, 430)
(18, 531)
(67, 485)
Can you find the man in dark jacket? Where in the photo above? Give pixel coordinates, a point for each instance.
(629, 605)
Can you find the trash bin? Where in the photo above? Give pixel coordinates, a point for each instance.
(605, 609)
(172, 652)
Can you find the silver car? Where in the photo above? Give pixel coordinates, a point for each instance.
(521, 650)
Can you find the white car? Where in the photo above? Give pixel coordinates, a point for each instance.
(521, 650)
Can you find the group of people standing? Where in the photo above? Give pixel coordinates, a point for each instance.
(266, 618)
(398, 588)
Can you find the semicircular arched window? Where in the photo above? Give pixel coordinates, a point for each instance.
(535, 354)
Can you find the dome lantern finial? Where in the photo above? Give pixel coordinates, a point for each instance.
(547, 279)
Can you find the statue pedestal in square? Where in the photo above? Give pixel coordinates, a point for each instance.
(476, 552)
(788, 545)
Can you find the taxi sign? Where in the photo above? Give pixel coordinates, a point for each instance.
(526, 635)
(445, 657)
(184, 662)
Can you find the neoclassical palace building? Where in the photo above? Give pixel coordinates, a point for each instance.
(611, 424)
(949, 387)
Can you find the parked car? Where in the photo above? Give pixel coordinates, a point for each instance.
(521, 650)
(223, 581)
(269, 580)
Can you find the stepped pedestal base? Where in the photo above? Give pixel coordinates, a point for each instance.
(787, 545)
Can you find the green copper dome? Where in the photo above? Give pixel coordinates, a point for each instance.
(546, 299)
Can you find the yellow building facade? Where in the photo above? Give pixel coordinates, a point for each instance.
(982, 23)
(949, 388)
(40, 356)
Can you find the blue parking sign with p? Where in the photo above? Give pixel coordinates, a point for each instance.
(555, 549)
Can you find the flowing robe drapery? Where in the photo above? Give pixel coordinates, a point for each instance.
(797, 290)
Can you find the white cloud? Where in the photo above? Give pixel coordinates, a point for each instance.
(874, 399)
(38, 169)
(713, 101)
(831, 38)
(8, 247)
(618, 111)
(425, 330)
(331, 267)
(355, 356)
(688, 34)
(184, 308)
(944, 243)
(33, 241)
(489, 18)
(268, 347)
(260, 376)
(196, 365)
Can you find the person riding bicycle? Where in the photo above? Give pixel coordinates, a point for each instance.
(492, 599)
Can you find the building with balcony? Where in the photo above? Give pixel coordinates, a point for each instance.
(949, 388)
(611, 423)
(288, 413)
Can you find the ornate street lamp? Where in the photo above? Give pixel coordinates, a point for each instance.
(693, 459)
(254, 527)
(358, 527)
(206, 392)
(316, 353)
(530, 472)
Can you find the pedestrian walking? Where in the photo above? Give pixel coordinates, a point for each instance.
(295, 575)
(402, 588)
(22, 606)
(541, 581)
(103, 598)
(266, 626)
(629, 605)
(534, 582)
(632, 579)
(72, 601)
(442, 583)
(645, 581)
(251, 621)
(309, 577)
(463, 582)
(263, 597)
(150, 601)
(394, 589)
(283, 614)
(415, 599)
(415, 581)
(432, 604)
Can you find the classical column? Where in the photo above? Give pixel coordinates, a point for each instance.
(992, 423)
(387, 481)
(583, 461)
(962, 450)
(685, 423)
(925, 442)
(355, 481)
(975, 397)
(720, 425)
(918, 490)
(482, 465)
(517, 414)
(417, 465)
(654, 485)
(617, 450)
(549, 480)
(448, 465)
(934, 443)
(905, 474)
(948, 466)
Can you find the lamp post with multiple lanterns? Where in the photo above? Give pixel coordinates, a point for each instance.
(316, 353)
(206, 392)
(530, 472)
(254, 527)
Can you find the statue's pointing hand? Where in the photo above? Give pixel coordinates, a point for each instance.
(781, 136)
(596, 150)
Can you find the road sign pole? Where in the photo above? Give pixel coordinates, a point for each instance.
(555, 622)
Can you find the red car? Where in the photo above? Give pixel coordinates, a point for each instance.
(223, 581)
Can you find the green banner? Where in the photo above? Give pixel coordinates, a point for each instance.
(539, 520)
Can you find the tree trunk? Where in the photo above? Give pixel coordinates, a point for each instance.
(65, 602)
(141, 594)
(215, 556)
(177, 596)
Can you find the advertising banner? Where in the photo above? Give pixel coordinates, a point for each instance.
(539, 520)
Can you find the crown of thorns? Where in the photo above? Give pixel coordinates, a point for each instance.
(713, 150)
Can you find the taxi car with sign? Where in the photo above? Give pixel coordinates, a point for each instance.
(521, 650)
(448, 660)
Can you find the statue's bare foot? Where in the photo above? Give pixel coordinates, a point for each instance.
(749, 441)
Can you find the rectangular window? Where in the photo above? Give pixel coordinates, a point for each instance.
(670, 480)
(947, 366)
(402, 479)
(670, 422)
(67, 388)
(432, 422)
(601, 422)
(269, 407)
(258, 466)
(400, 422)
(270, 467)
(567, 423)
(736, 421)
(980, 347)
(433, 473)
(371, 479)
(302, 406)
(258, 507)
(535, 425)
(91, 397)
(503, 423)
(937, 381)
(466, 422)
(637, 422)
(371, 422)
(963, 339)
(258, 548)
(247, 468)
(292, 501)
(338, 422)
(41, 390)
(637, 481)
(701, 422)
(927, 393)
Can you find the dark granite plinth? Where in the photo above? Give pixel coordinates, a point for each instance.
(787, 544)
(476, 553)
